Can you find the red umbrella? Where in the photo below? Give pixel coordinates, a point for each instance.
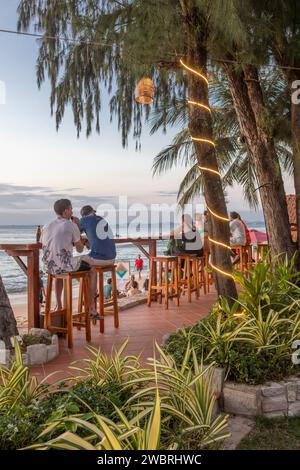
(258, 237)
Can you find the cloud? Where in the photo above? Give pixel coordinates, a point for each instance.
(27, 204)
(14, 188)
(8, 188)
(166, 193)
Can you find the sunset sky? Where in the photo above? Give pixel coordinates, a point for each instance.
(39, 165)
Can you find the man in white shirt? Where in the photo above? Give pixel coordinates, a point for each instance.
(58, 239)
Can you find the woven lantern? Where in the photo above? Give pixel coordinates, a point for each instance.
(144, 92)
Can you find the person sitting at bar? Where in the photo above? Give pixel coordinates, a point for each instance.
(237, 235)
(246, 230)
(237, 231)
(101, 242)
(190, 237)
(58, 240)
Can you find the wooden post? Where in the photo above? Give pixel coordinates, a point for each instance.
(33, 283)
(152, 252)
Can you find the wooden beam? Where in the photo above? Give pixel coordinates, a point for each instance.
(142, 249)
(21, 264)
(33, 289)
(18, 252)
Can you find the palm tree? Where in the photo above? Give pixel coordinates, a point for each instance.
(234, 158)
(8, 324)
(114, 44)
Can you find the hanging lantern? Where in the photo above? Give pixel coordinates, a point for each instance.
(144, 91)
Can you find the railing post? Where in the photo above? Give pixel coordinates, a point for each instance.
(33, 288)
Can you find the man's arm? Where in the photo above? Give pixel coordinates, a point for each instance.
(77, 238)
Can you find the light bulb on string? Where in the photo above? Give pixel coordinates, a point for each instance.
(214, 171)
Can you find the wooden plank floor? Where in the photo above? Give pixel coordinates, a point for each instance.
(142, 325)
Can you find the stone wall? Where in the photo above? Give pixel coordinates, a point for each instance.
(35, 354)
(272, 399)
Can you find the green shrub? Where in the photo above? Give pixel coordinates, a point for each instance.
(29, 340)
(17, 430)
(251, 339)
(102, 399)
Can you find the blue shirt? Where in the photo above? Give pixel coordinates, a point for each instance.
(100, 237)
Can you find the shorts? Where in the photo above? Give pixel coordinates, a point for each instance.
(87, 259)
(83, 267)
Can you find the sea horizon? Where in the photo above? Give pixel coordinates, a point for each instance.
(15, 280)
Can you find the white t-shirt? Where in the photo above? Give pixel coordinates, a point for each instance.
(57, 239)
(237, 232)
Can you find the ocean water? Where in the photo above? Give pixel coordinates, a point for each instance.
(15, 280)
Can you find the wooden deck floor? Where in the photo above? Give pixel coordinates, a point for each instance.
(142, 325)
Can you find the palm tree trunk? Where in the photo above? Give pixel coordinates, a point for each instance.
(280, 49)
(248, 101)
(8, 324)
(295, 127)
(200, 125)
(291, 76)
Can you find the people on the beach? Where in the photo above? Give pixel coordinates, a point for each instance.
(129, 283)
(146, 285)
(134, 289)
(59, 237)
(108, 289)
(139, 263)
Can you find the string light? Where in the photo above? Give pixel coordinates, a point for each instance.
(196, 72)
(218, 216)
(209, 169)
(195, 103)
(205, 141)
(225, 273)
(220, 243)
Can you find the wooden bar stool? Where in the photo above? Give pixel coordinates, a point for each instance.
(247, 257)
(245, 254)
(164, 286)
(104, 304)
(262, 253)
(188, 278)
(81, 319)
(209, 276)
(202, 274)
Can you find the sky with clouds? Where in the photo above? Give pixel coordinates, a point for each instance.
(40, 165)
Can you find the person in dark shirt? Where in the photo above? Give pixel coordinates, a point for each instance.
(100, 237)
(101, 242)
(190, 238)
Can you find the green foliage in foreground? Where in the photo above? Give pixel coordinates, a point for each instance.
(253, 339)
(114, 404)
